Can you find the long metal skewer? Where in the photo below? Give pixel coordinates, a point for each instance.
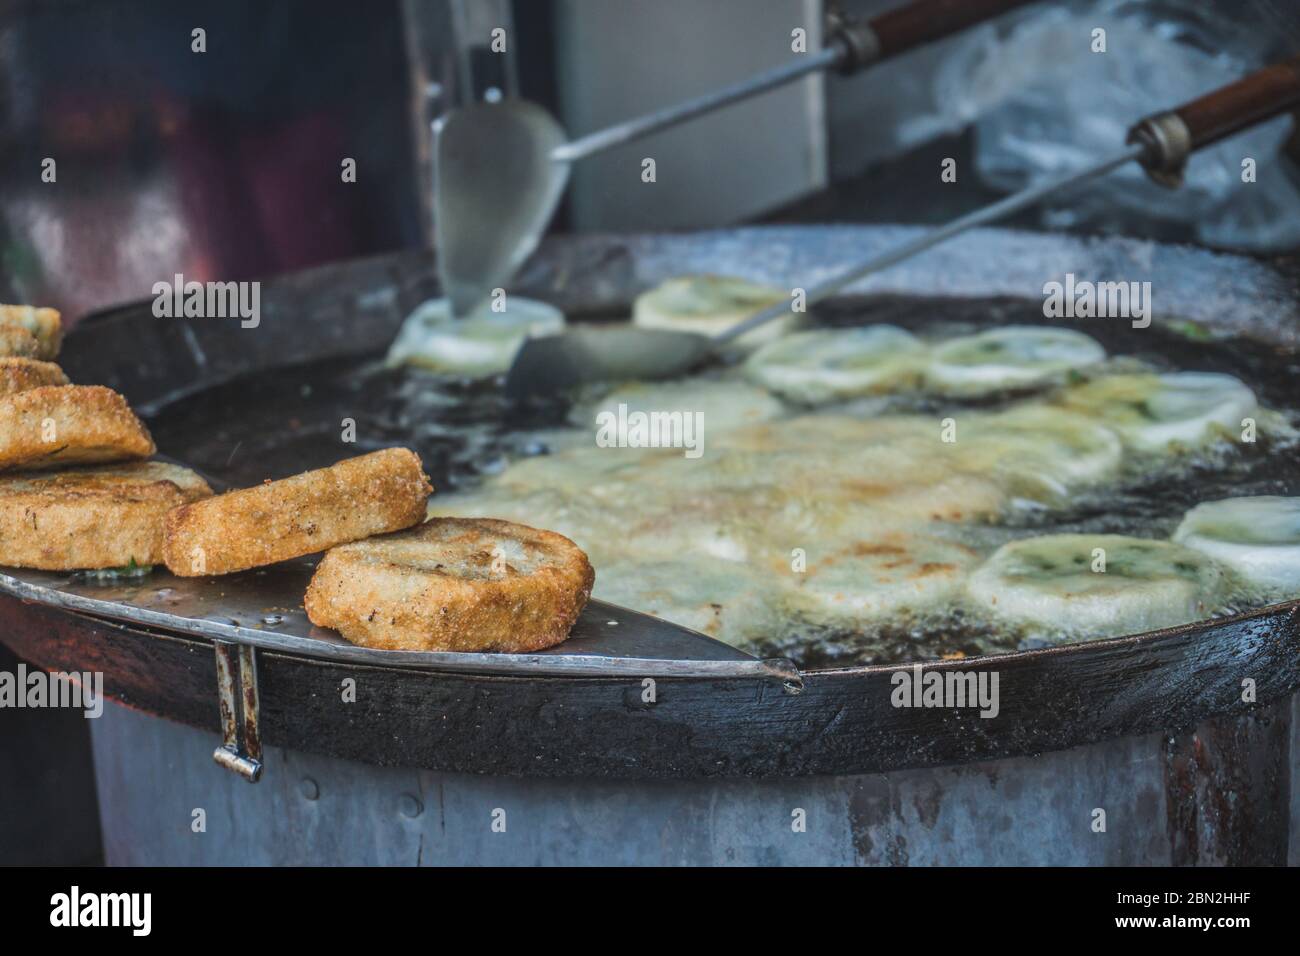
(632, 129)
(489, 213)
(982, 216)
(851, 45)
(1161, 142)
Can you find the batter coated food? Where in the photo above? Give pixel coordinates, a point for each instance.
(57, 425)
(453, 584)
(101, 517)
(316, 510)
(20, 374)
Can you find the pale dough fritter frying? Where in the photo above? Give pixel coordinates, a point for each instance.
(370, 494)
(453, 584)
(100, 517)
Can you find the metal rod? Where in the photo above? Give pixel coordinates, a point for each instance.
(987, 214)
(644, 125)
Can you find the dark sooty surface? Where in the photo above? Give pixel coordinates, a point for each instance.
(278, 423)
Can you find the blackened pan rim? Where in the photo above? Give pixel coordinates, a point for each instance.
(530, 666)
(1192, 629)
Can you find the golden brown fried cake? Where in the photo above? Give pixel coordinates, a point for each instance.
(453, 584)
(58, 425)
(100, 517)
(44, 325)
(20, 374)
(383, 491)
(17, 341)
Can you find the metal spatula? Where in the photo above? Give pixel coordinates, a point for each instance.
(1161, 142)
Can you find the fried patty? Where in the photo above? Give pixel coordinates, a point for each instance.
(17, 341)
(44, 325)
(453, 584)
(383, 491)
(57, 425)
(99, 517)
(20, 374)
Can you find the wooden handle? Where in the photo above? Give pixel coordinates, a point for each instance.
(1260, 96)
(919, 23)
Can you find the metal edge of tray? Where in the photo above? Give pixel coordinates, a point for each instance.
(731, 663)
(742, 666)
(1279, 612)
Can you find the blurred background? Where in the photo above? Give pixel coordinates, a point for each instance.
(226, 163)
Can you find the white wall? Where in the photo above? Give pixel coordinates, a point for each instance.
(620, 58)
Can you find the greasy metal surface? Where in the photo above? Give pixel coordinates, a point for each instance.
(1022, 811)
(263, 608)
(267, 426)
(241, 747)
(226, 703)
(551, 365)
(1228, 782)
(537, 725)
(252, 734)
(559, 726)
(1231, 294)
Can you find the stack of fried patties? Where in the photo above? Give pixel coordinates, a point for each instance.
(75, 489)
(389, 578)
(76, 493)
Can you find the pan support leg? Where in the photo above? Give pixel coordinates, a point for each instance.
(241, 747)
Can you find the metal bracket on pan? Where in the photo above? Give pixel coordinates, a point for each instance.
(241, 748)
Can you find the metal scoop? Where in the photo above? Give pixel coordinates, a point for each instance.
(1161, 142)
(500, 168)
(495, 189)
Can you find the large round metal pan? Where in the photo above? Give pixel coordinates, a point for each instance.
(747, 720)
